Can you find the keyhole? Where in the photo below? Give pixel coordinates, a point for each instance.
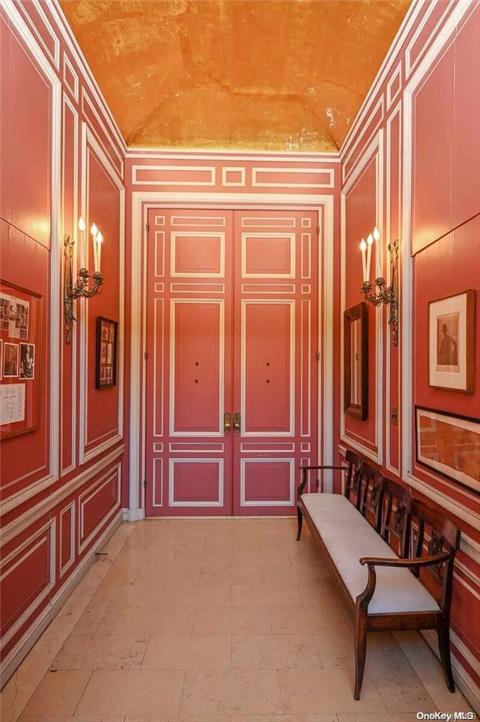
(268, 381)
(196, 363)
(196, 381)
(268, 363)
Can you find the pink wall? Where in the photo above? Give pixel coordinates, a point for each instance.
(61, 485)
(411, 165)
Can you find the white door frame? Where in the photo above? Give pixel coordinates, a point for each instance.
(141, 202)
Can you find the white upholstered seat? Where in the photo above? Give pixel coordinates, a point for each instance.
(348, 536)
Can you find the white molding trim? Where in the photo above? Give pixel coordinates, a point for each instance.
(397, 111)
(87, 75)
(373, 152)
(408, 23)
(430, 59)
(140, 201)
(36, 53)
(89, 141)
(26, 642)
(52, 551)
(270, 460)
(462, 678)
(191, 503)
(88, 494)
(65, 567)
(67, 469)
(158, 153)
(43, 507)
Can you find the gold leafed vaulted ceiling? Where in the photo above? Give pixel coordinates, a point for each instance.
(235, 74)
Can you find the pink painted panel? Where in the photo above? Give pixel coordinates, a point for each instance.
(26, 146)
(433, 113)
(360, 219)
(198, 254)
(29, 574)
(267, 254)
(197, 352)
(96, 504)
(196, 482)
(466, 137)
(268, 482)
(268, 367)
(104, 210)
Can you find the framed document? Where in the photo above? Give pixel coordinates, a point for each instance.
(21, 314)
(106, 353)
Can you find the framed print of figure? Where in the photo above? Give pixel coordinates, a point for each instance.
(106, 353)
(451, 329)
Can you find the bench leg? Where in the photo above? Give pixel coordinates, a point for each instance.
(443, 633)
(360, 652)
(299, 523)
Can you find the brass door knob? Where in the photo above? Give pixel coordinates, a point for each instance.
(227, 422)
(237, 422)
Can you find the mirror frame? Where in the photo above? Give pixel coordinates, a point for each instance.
(355, 313)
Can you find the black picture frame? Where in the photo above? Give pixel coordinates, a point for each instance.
(355, 400)
(106, 353)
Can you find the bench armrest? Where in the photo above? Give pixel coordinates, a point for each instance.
(305, 469)
(413, 563)
(363, 599)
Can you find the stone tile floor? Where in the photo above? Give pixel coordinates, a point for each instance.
(226, 620)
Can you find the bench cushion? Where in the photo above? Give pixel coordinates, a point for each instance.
(349, 539)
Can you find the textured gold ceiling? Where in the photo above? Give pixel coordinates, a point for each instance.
(237, 74)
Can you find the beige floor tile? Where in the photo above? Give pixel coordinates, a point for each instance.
(231, 620)
(101, 651)
(285, 718)
(320, 691)
(215, 575)
(132, 693)
(335, 645)
(274, 651)
(197, 653)
(57, 694)
(155, 620)
(188, 718)
(300, 620)
(321, 594)
(259, 556)
(215, 556)
(253, 595)
(397, 683)
(428, 668)
(384, 717)
(202, 595)
(237, 691)
(62, 718)
(127, 595)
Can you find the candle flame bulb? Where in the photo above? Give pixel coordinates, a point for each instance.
(370, 239)
(93, 229)
(81, 224)
(376, 234)
(363, 245)
(99, 237)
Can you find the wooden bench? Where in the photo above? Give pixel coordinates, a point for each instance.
(391, 553)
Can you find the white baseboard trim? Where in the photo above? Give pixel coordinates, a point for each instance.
(15, 657)
(133, 514)
(463, 680)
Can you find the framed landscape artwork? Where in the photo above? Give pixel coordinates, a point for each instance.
(451, 330)
(106, 356)
(449, 445)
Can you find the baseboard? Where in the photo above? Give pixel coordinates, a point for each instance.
(133, 514)
(463, 680)
(16, 655)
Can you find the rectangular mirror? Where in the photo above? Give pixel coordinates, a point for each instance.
(356, 361)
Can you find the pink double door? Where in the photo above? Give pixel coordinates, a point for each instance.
(231, 380)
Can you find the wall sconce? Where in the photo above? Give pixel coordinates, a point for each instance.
(82, 287)
(384, 294)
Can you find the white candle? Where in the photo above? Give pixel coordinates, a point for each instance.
(81, 224)
(363, 248)
(94, 232)
(99, 240)
(369, 254)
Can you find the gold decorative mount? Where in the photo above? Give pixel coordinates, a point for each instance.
(87, 285)
(384, 294)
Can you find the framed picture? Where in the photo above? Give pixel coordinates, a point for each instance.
(451, 342)
(106, 357)
(355, 360)
(450, 445)
(23, 388)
